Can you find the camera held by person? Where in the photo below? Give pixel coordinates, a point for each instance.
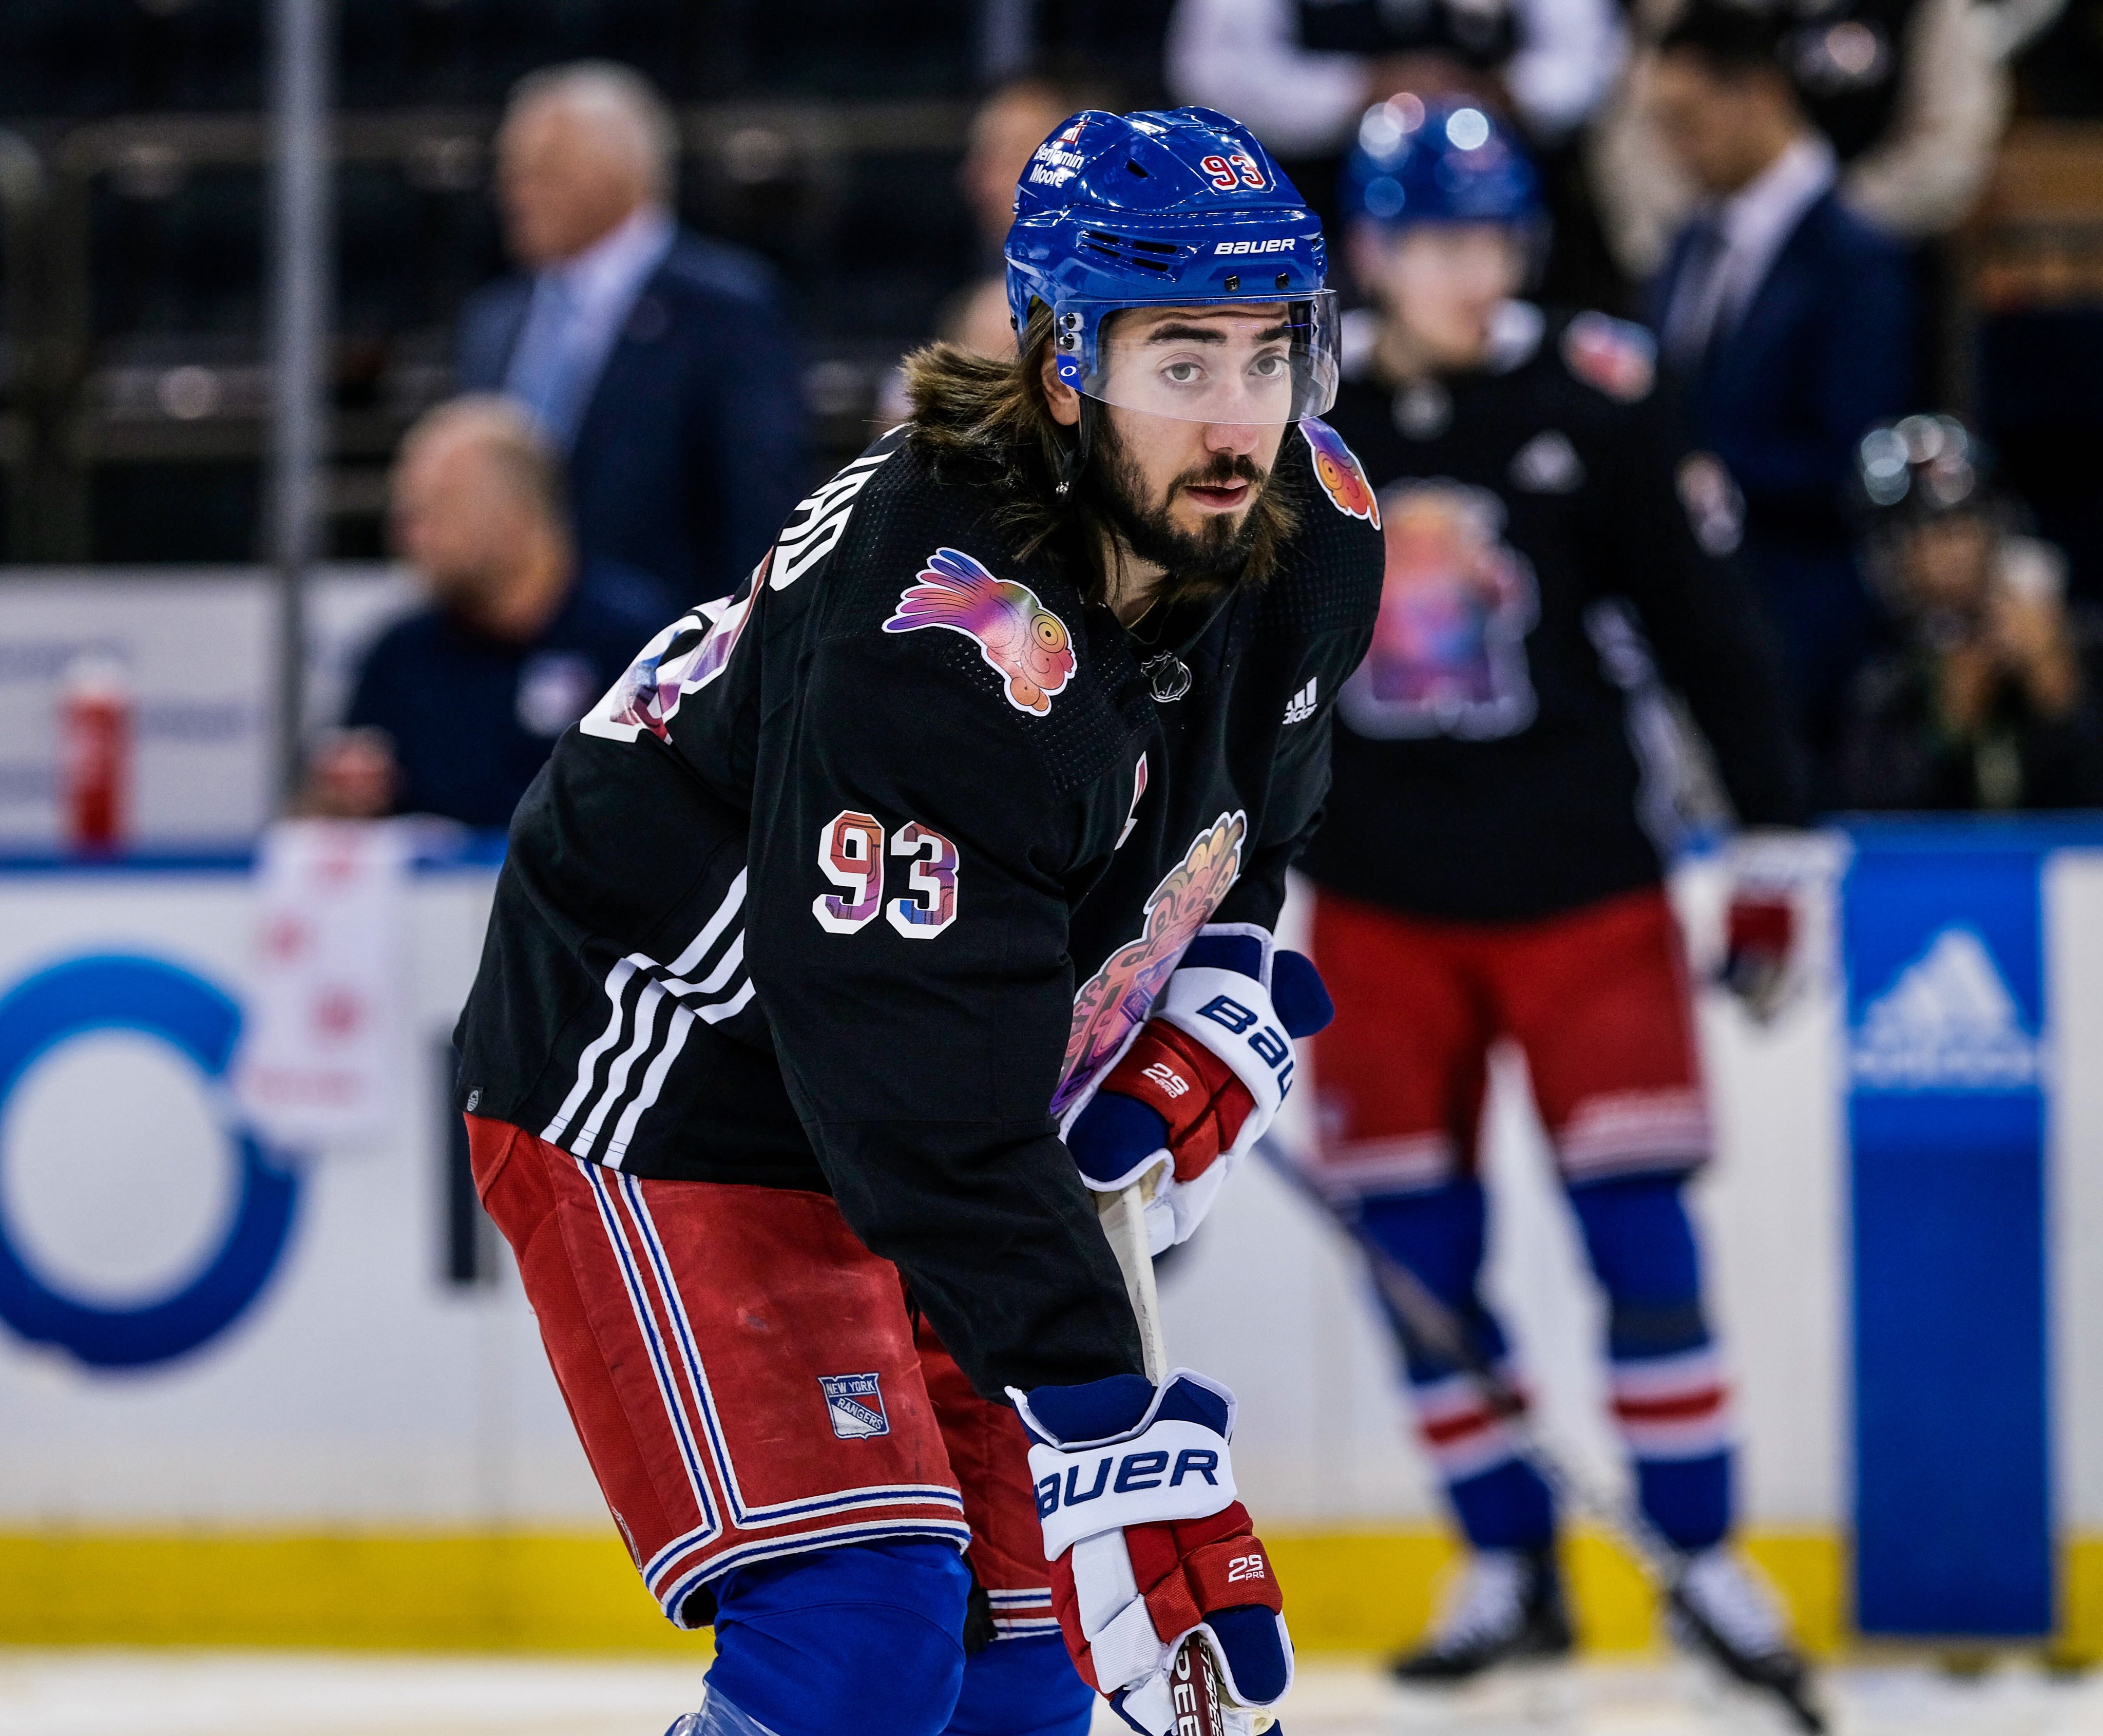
(1991, 699)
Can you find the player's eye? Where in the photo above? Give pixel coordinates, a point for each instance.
(1183, 373)
(1271, 366)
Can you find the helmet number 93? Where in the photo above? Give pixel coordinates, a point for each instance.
(1229, 172)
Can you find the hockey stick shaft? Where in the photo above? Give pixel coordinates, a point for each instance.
(1428, 1317)
(1442, 1331)
(1124, 1223)
(1124, 1226)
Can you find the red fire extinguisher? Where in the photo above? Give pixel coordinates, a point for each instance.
(95, 754)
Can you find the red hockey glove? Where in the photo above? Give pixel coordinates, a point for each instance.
(1775, 941)
(1148, 1545)
(1203, 1077)
(1759, 937)
(1197, 1105)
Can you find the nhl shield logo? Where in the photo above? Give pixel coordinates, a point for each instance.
(855, 1402)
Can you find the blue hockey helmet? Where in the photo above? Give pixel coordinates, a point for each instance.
(1442, 161)
(1182, 208)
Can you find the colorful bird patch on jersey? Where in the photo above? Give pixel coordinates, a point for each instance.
(1019, 637)
(1615, 356)
(1342, 477)
(1114, 1002)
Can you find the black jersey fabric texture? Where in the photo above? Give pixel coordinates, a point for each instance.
(858, 879)
(1484, 768)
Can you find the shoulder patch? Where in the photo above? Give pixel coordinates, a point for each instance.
(1342, 477)
(1611, 356)
(682, 659)
(1019, 638)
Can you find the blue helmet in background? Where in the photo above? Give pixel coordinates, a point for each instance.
(1177, 208)
(1442, 161)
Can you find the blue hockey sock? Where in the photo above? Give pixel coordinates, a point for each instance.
(804, 1643)
(1440, 1235)
(1688, 1499)
(1669, 1394)
(1506, 1507)
(1024, 1687)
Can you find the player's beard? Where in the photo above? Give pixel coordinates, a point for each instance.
(1216, 552)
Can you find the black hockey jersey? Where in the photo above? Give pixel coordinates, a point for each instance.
(1483, 769)
(858, 882)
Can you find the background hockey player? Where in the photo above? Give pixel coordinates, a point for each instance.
(961, 826)
(1483, 873)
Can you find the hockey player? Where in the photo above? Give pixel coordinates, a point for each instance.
(882, 913)
(1481, 872)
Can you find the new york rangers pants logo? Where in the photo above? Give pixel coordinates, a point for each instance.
(855, 1402)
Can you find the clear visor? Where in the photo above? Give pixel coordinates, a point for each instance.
(1251, 363)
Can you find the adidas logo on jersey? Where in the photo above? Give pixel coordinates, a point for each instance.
(1947, 1022)
(1301, 706)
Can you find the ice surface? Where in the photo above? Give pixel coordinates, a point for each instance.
(96, 1693)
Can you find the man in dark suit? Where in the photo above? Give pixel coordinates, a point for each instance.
(653, 359)
(1788, 322)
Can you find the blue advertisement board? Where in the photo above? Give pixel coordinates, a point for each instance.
(1946, 1021)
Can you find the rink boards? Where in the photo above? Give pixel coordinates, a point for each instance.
(250, 1398)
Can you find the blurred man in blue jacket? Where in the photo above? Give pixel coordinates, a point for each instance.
(456, 706)
(1789, 322)
(653, 359)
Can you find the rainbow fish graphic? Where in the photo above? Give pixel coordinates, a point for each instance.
(1019, 637)
(1337, 469)
(1115, 1002)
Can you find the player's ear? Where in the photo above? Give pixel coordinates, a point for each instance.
(1059, 398)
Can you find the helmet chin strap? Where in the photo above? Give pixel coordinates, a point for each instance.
(1075, 458)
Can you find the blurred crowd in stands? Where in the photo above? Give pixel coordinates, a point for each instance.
(1769, 187)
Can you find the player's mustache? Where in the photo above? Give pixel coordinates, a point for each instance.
(1227, 467)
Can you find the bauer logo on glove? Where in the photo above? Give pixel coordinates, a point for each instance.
(1148, 1547)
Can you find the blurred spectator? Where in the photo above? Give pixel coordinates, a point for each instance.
(455, 708)
(1013, 121)
(654, 359)
(1912, 94)
(1994, 700)
(1302, 72)
(1119, 40)
(1787, 321)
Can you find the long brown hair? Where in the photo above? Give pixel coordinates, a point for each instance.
(986, 423)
